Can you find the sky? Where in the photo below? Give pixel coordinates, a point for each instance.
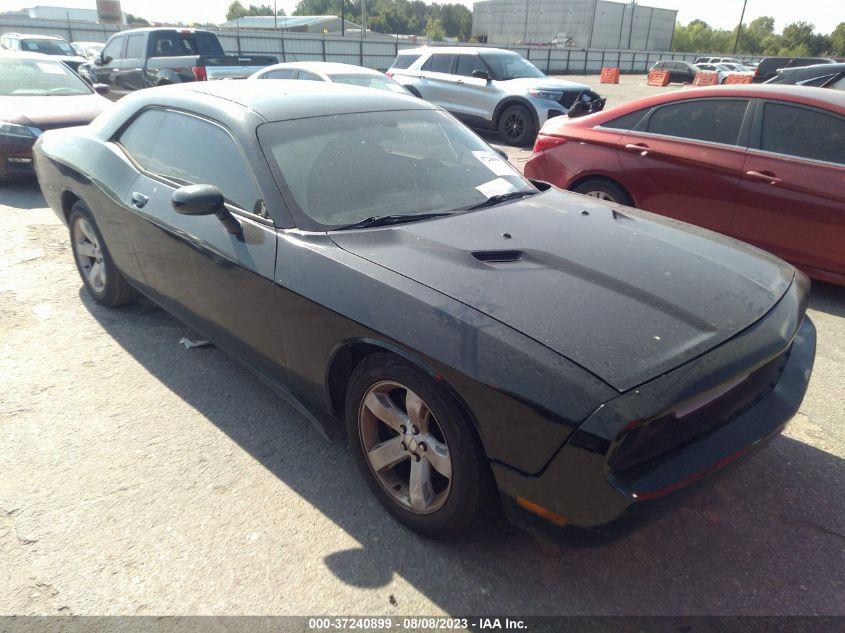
(824, 14)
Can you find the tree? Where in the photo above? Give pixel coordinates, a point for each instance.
(134, 19)
(237, 10)
(837, 41)
(434, 29)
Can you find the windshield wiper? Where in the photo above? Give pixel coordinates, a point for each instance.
(385, 220)
(502, 197)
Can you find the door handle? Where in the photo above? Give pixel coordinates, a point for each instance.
(139, 200)
(768, 176)
(642, 148)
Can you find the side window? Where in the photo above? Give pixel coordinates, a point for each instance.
(134, 47)
(839, 84)
(114, 48)
(138, 139)
(281, 73)
(441, 63)
(713, 120)
(627, 121)
(817, 81)
(803, 132)
(469, 63)
(193, 151)
(304, 74)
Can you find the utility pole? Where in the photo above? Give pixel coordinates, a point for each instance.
(275, 13)
(739, 28)
(343, 18)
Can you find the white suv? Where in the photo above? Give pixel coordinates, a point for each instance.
(491, 88)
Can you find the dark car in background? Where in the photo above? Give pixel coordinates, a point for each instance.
(482, 337)
(679, 71)
(141, 58)
(38, 94)
(818, 75)
(762, 163)
(769, 66)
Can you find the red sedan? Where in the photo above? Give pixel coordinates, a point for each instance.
(762, 163)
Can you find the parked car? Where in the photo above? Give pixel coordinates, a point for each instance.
(38, 94)
(364, 252)
(88, 50)
(491, 88)
(44, 45)
(716, 60)
(720, 69)
(769, 66)
(141, 58)
(818, 75)
(331, 72)
(679, 71)
(737, 68)
(762, 163)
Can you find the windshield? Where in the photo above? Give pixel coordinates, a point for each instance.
(27, 77)
(510, 66)
(369, 81)
(346, 168)
(47, 47)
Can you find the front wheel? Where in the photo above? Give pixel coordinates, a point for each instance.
(102, 279)
(516, 126)
(415, 448)
(603, 190)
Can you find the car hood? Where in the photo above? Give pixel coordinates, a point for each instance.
(47, 113)
(626, 294)
(542, 83)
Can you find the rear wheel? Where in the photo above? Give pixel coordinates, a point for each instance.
(416, 449)
(516, 126)
(102, 279)
(603, 190)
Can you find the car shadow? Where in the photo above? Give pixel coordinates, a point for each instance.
(828, 298)
(767, 538)
(22, 194)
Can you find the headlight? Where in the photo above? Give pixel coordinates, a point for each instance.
(546, 94)
(19, 131)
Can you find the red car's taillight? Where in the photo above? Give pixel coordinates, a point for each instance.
(199, 73)
(547, 141)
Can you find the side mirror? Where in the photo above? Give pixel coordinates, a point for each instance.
(204, 200)
(481, 74)
(101, 89)
(102, 59)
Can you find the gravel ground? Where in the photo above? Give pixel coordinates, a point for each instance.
(140, 477)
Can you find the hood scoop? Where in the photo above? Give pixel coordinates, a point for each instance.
(498, 257)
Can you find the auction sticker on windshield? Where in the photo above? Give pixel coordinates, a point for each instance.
(496, 187)
(494, 163)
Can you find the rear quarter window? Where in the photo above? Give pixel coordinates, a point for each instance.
(404, 61)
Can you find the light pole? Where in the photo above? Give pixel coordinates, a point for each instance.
(275, 13)
(739, 28)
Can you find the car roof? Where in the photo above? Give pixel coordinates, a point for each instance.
(276, 100)
(324, 67)
(41, 57)
(33, 36)
(800, 94)
(453, 50)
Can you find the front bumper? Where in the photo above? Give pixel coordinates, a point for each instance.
(16, 157)
(579, 483)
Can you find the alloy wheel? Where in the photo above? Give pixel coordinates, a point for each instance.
(405, 447)
(89, 255)
(601, 195)
(514, 126)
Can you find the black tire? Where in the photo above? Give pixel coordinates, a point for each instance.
(114, 290)
(606, 190)
(471, 493)
(516, 126)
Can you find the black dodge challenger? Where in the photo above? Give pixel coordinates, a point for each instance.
(484, 337)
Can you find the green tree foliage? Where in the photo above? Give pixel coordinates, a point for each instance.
(411, 17)
(237, 10)
(759, 38)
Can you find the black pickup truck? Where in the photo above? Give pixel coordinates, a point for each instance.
(142, 58)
